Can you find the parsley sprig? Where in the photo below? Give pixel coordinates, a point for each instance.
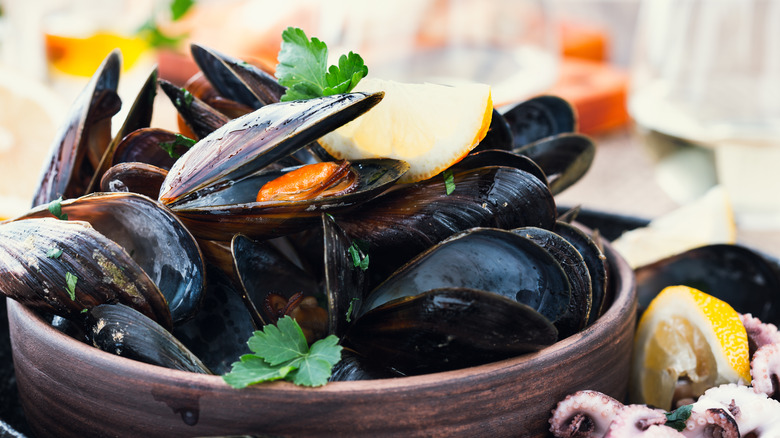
(303, 68)
(676, 419)
(281, 352)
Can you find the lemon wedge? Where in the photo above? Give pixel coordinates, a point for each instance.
(30, 113)
(686, 335)
(430, 126)
(705, 221)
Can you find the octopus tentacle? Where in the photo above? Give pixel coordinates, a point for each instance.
(711, 423)
(759, 333)
(584, 414)
(640, 420)
(754, 413)
(765, 368)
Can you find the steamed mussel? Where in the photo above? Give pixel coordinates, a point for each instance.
(460, 279)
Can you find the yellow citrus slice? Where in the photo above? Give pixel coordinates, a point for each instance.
(30, 113)
(705, 221)
(430, 126)
(686, 339)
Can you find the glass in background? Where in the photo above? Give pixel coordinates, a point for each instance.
(510, 44)
(706, 93)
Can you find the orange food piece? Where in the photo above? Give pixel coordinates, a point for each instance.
(309, 182)
(583, 41)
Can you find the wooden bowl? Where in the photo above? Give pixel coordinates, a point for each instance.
(69, 389)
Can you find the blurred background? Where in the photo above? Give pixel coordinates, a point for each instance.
(681, 96)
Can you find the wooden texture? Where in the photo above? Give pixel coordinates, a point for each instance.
(69, 389)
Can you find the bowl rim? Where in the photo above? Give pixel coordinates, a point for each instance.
(623, 301)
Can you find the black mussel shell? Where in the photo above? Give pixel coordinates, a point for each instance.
(345, 283)
(497, 157)
(249, 143)
(573, 264)
(449, 328)
(236, 79)
(81, 142)
(355, 366)
(218, 333)
(201, 118)
(405, 222)
(39, 256)
(597, 265)
(123, 331)
(138, 117)
(145, 145)
(489, 259)
(745, 279)
(262, 269)
(564, 158)
(540, 117)
(152, 236)
(144, 179)
(499, 135)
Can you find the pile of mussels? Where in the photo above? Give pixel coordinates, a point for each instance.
(179, 263)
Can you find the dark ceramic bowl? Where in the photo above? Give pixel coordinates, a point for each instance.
(69, 389)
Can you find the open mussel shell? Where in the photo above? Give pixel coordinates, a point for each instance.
(538, 118)
(144, 145)
(39, 256)
(123, 331)
(144, 179)
(564, 158)
(81, 142)
(262, 269)
(218, 333)
(236, 79)
(490, 259)
(449, 328)
(404, 222)
(153, 237)
(573, 264)
(745, 279)
(222, 214)
(594, 257)
(138, 117)
(355, 366)
(247, 144)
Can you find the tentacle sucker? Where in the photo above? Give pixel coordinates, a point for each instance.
(712, 422)
(640, 420)
(765, 369)
(754, 413)
(584, 414)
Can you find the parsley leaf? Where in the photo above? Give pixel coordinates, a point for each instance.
(351, 309)
(180, 7)
(359, 252)
(55, 208)
(179, 140)
(70, 283)
(303, 68)
(449, 181)
(676, 419)
(54, 253)
(281, 352)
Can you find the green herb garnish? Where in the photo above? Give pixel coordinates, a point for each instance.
(358, 250)
(449, 181)
(350, 309)
(281, 352)
(676, 419)
(55, 208)
(70, 283)
(180, 7)
(54, 253)
(179, 140)
(303, 68)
